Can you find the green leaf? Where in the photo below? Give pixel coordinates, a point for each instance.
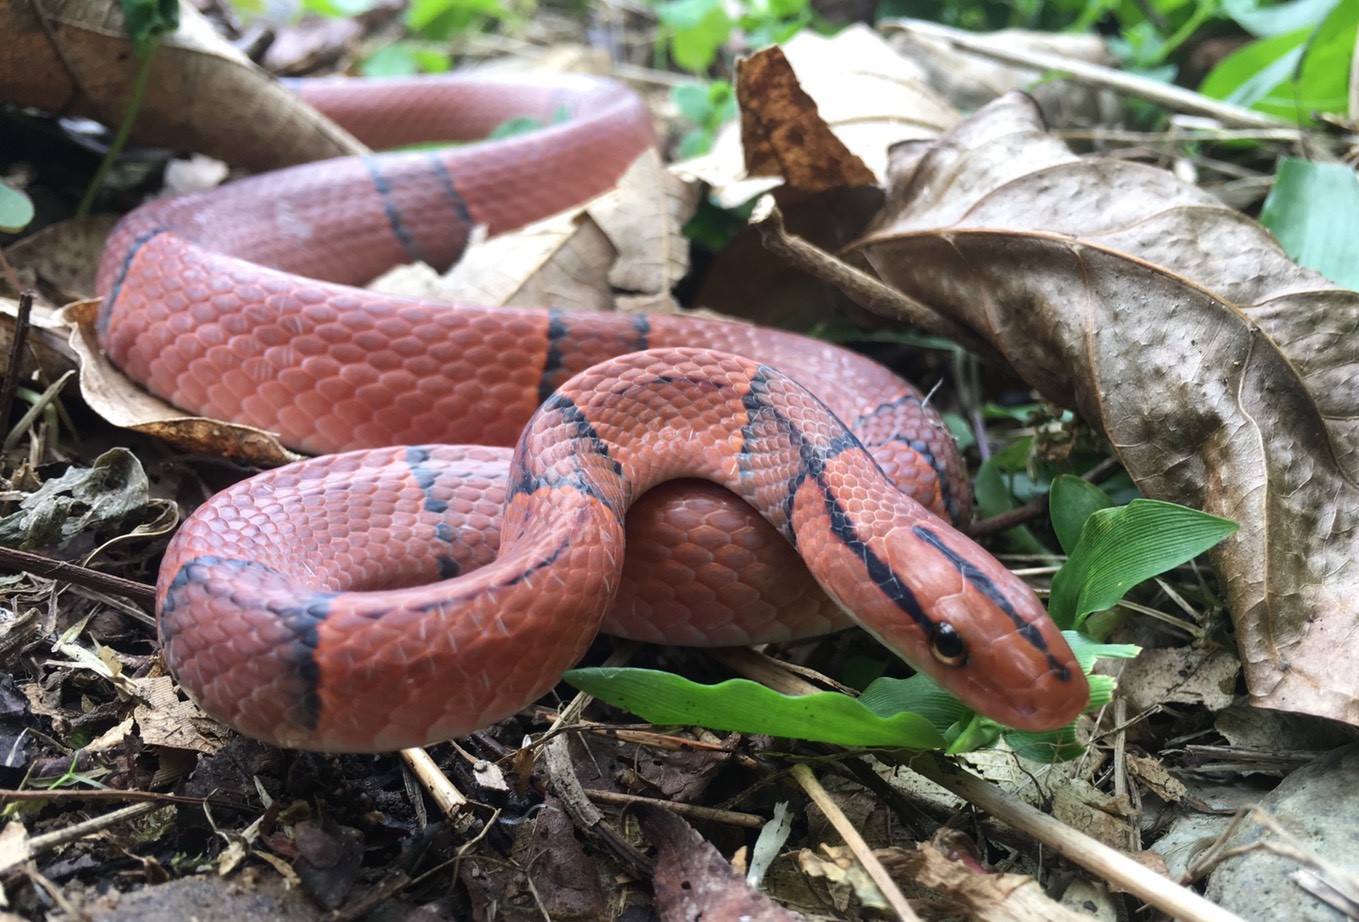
(994, 496)
(1121, 547)
(338, 9)
(438, 20)
(1313, 210)
(1250, 73)
(1275, 20)
(1294, 73)
(919, 694)
(699, 27)
(394, 60)
(1070, 503)
(147, 20)
(1086, 650)
(748, 707)
(16, 209)
(914, 713)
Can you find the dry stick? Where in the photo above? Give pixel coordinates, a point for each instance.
(865, 290)
(1035, 507)
(10, 795)
(764, 670)
(1171, 97)
(1114, 866)
(16, 353)
(819, 795)
(445, 793)
(37, 564)
(47, 840)
(692, 811)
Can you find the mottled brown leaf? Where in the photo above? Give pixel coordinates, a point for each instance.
(693, 881)
(1225, 376)
(782, 132)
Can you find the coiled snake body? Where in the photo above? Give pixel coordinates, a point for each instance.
(378, 598)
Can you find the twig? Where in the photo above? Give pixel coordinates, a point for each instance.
(693, 811)
(9, 795)
(895, 898)
(446, 795)
(1038, 505)
(37, 564)
(16, 352)
(1171, 97)
(1114, 866)
(48, 840)
(865, 290)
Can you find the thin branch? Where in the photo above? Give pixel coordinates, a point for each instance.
(49, 568)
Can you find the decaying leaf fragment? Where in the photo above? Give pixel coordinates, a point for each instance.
(1225, 376)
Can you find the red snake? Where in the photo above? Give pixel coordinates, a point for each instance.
(389, 597)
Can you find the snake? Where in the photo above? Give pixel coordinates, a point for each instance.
(458, 541)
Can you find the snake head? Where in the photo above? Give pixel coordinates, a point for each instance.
(954, 612)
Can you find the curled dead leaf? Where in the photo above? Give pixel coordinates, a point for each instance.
(1225, 376)
(123, 403)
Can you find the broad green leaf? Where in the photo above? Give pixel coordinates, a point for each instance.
(1121, 547)
(1070, 503)
(1262, 21)
(749, 707)
(1253, 71)
(919, 694)
(1086, 650)
(16, 209)
(338, 9)
(1313, 210)
(699, 27)
(394, 60)
(1060, 745)
(993, 497)
(147, 20)
(1293, 74)
(438, 20)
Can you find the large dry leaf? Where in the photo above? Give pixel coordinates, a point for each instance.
(629, 239)
(1225, 376)
(74, 58)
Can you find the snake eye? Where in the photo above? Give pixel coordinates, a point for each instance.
(947, 646)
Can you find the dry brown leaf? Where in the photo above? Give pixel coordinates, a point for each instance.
(1013, 897)
(783, 133)
(694, 881)
(124, 403)
(630, 238)
(870, 95)
(824, 131)
(1225, 376)
(62, 256)
(1153, 775)
(73, 57)
(1184, 675)
(165, 719)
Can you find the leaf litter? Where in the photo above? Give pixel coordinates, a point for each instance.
(1218, 371)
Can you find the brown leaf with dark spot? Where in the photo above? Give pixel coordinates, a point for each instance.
(693, 881)
(1225, 376)
(328, 859)
(784, 135)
